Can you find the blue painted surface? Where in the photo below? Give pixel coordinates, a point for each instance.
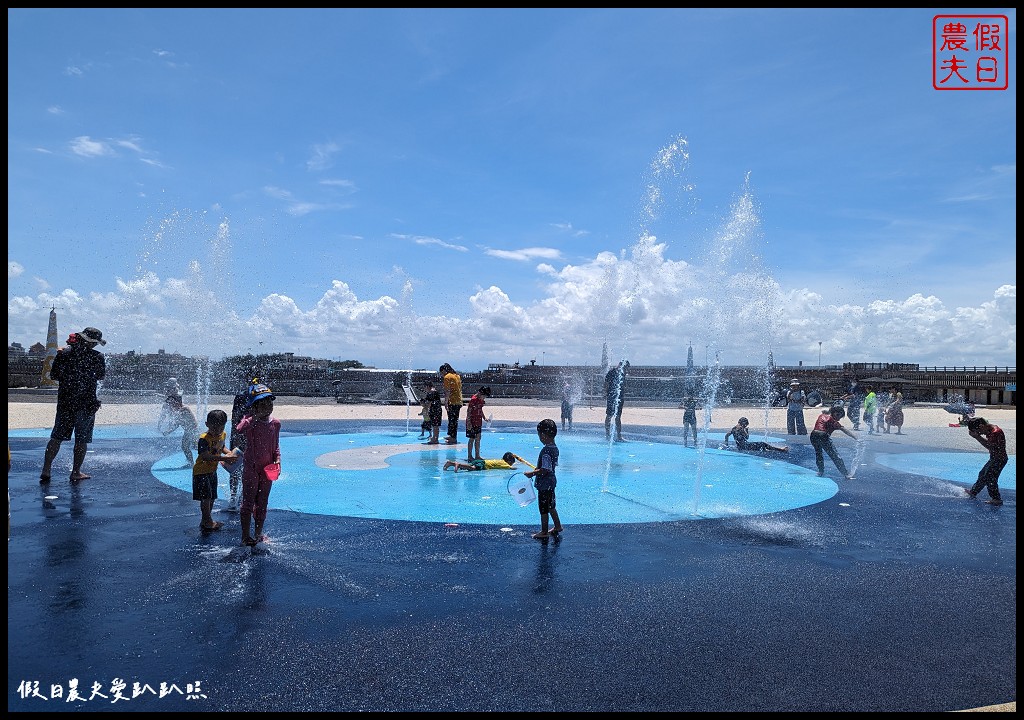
(598, 482)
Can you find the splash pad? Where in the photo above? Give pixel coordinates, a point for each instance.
(375, 472)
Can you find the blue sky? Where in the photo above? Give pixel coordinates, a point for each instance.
(407, 187)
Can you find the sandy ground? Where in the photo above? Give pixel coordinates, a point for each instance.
(924, 425)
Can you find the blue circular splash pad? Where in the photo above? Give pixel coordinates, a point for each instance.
(394, 476)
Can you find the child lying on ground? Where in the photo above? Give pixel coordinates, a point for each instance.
(507, 462)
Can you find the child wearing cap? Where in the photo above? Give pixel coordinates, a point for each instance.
(262, 435)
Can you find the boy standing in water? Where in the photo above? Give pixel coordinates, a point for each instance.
(475, 422)
(544, 478)
(425, 414)
(262, 435)
(826, 424)
(435, 407)
(204, 472)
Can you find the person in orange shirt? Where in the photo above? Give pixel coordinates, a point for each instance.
(453, 399)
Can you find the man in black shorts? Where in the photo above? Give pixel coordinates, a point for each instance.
(78, 368)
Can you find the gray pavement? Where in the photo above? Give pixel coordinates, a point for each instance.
(895, 595)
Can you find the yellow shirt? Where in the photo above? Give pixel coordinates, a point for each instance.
(453, 388)
(496, 465)
(213, 444)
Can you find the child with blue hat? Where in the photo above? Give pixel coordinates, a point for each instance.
(257, 392)
(261, 462)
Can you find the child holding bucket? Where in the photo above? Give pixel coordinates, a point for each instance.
(544, 478)
(261, 463)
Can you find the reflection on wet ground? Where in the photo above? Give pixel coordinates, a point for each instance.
(887, 595)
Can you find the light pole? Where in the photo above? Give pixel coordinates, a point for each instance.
(819, 353)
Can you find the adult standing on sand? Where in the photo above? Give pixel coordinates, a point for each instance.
(796, 401)
(452, 384)
(77, 368)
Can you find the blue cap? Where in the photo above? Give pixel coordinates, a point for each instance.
(257, 392)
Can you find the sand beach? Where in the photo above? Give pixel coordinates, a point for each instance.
(925, 424)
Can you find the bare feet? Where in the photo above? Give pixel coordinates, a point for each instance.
(248, 541)
(213, 526)
(79, 476)
(541, 535)
(555, 530)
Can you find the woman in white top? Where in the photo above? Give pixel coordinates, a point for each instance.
(796, 400)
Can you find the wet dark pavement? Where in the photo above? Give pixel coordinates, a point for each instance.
(897, 594)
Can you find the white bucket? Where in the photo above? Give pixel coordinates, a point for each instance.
(521, 490)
